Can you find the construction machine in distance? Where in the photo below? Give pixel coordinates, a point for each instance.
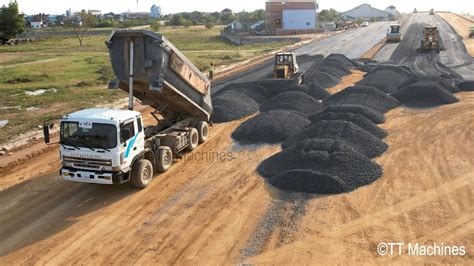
(394, 34)
(432, 11)
(430, 41)
(471, 32)
(286, 66)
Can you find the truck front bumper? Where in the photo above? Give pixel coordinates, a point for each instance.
(107, 178)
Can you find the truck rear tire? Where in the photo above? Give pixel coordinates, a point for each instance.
(142, 173)
(203, 130)
(193, 139)
(164, 159)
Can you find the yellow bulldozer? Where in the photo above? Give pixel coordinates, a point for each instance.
(430, 41)
(286, 66)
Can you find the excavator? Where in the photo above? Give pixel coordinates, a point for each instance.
(430, 39)
(286, 66)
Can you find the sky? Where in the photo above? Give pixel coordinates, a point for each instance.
(174, 6)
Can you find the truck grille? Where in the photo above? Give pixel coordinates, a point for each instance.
(95, 164)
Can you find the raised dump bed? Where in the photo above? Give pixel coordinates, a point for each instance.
(162, 76)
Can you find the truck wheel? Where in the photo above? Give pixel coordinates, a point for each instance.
(164, 159)
(193, 139)
(142, 173)
(203, 130)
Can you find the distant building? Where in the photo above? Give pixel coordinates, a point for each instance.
(392, 11)
(69, 13)
(291, 16)
(365, 11)
(94, 12)
(227, 11)
(37, 24)
(155, 11)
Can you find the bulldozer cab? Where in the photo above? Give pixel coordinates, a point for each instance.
(285, 65)
(430, 39)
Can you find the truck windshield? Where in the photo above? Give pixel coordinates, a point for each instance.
(89, 135)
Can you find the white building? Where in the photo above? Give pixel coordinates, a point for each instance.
(155, 11)
(392, 11)
(95, 12)
(37, 24)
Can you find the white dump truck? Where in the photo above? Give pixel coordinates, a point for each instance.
(110, 146)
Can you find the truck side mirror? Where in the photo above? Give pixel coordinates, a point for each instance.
(46, 133)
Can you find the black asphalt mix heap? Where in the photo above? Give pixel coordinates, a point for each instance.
(328, 72)
(321, 166)
(315, 90)
(233, 106)
(424, 94)
(293, 100)
(386, 78)
(270, 127)
(358, 120)
(367, 112)
(365, 96)
(361, 140)
(466, 85)
(251, 89)
(446, 82)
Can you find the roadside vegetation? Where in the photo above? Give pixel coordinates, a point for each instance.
(75, 77)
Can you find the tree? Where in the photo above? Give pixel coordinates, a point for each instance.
(228, 18)
(155, 25)
(209, 25)
(11, 21)
(330, 15)
(87, 20)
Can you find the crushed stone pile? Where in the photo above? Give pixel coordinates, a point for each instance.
(293, 100)
(367, 112)
(424, 94)
(232, 106)
(447, 83)
(386, 78)
(315, 91)
(270, 127)
(251, 89)
(363, 95)
(361, 140)
(328, 72)
(466, 85)
(357, 119)
(321, 166)
(274, 87)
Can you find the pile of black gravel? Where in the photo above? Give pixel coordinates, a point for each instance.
(386, 78)
(466, 85)
(293, 100)
(361, 140)
(315, 90)
(329, 71)
(251, 89)
(446, 82)
(367, 112)
(358, 120)
(270, 127)
(363, 95)
(274, 87)
(322, 166)
(423, 94)
(232, 106)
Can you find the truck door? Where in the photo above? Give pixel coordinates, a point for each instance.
(129, 139)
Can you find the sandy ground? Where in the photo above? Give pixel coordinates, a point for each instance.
(221, 211)
(425, 196)
(347, 81)
(461, 26)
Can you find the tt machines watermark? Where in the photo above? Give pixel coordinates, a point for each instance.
(416, 249)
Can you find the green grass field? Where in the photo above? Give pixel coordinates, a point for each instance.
(76, 77)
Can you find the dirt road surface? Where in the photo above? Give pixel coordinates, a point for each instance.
(461, 26)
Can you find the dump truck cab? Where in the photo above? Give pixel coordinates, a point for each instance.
(430, 39)
(100, 145)
(471, 32)
(394, 34)
(285, 65)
